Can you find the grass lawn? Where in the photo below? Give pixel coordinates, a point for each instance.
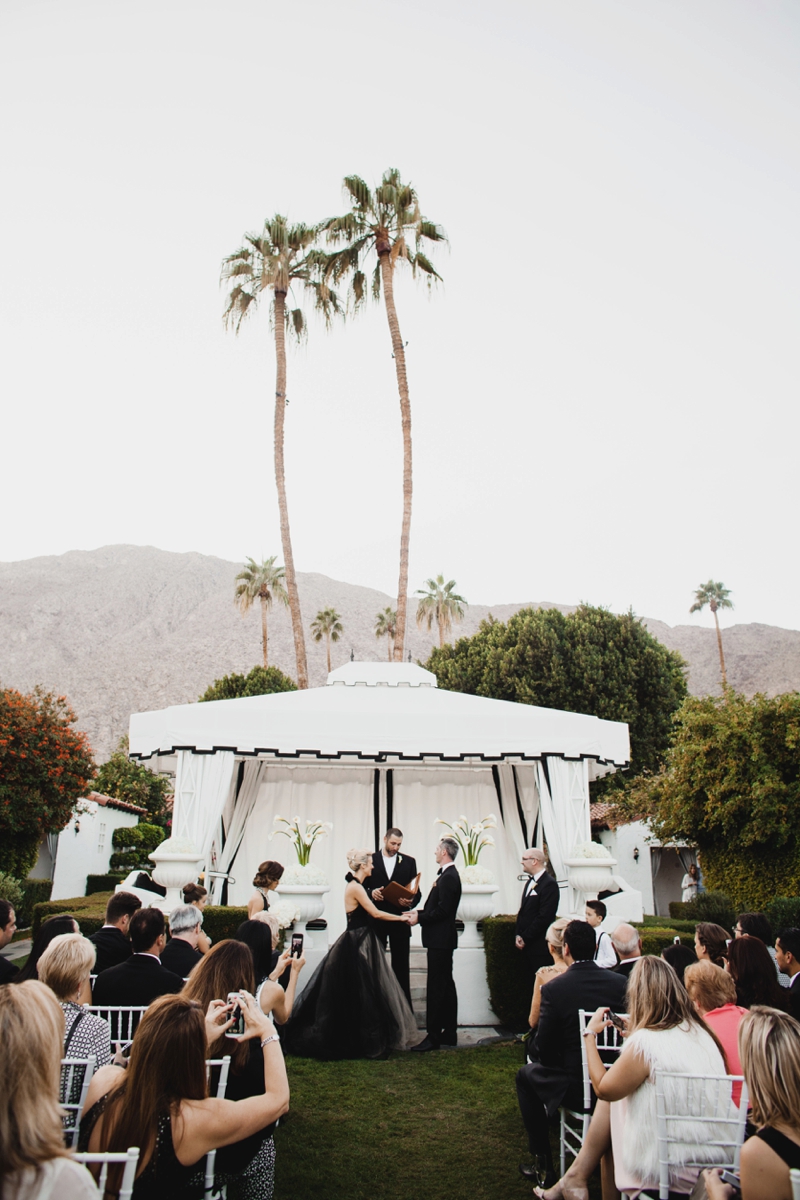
(417, 1126)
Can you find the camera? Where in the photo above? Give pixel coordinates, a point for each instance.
(237, 1028)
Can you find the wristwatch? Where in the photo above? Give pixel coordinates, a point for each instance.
(273, 1037)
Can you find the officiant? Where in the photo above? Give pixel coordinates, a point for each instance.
(390, 866)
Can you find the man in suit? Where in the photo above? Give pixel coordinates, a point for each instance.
(8, 927)
(537, 910)
(440, 938)
(628, 945)
(111, 942)
(787, 956)
(557, 1076)
(389, 865)
(141, 979)
(180, 954)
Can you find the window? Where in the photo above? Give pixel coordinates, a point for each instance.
(101, 838)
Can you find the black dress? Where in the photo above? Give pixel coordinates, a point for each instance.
(353, 1006)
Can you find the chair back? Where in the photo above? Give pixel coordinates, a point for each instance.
(698, 1123)
(794, 1175)
(122, 1019)
(610, 1043)
(224, 1064)
(76, 1075)
(129, 1157)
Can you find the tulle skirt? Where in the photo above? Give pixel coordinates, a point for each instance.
(353, 1006)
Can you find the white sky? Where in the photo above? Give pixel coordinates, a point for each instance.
(604, 392)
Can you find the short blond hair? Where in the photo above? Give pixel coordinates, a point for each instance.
(769, 1047)
(555, 933)
(32, 1037)
(709, 985)
(266, 918)
(66, 963)
(356, 859)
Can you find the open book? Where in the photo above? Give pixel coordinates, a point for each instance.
(395, 892)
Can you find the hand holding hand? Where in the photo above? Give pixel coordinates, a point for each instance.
(377, 894)
(518, 942)
(412, 918)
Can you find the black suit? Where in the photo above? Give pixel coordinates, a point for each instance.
(440, 938)
(7, 970)
(179, 957)
(557, 1076)
(112, 947)
(536, 914)
(139, 981)
(625, 968)
(794, 997)
(399, 934)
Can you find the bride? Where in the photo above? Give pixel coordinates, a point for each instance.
(353, 1006)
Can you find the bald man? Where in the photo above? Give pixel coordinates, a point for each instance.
(628, 945)
(537, 910)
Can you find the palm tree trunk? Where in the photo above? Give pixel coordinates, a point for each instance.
(389, 644)
(280, 480)
(441, 634)
(328, 647)
(405, 416)
(264, 629)
(721, 655)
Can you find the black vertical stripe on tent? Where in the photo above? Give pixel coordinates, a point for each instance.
(496, 778)
(546, 770)
(239, 782)
(376, 806)
(535, 839)
(522, 820)
(389, 798)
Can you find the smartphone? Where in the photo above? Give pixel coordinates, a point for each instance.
(731, 1179)
(676, 941)
(237, 1028)
(297, 945)
(617, 1021)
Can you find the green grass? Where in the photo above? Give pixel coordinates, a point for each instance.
(428, 1127)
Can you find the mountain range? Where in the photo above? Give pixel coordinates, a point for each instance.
(124, 629)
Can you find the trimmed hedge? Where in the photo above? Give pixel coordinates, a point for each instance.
(89, 911)
(783, 913)
(754, 876)
(715, 907)
(222, 921)
(103, 883)
(132, 844)
(656, 940)
(510, 982)
(666, 923)
(34, 891)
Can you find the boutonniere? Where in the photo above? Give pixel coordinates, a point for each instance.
(399, 858)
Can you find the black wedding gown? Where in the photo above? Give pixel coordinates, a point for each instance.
(353, 1006)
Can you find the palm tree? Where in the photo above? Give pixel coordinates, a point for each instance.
(385, 625)
(441, 604)
(260, 581)
(327, 624)
(272, 261)
(378, 223)
(716, 596)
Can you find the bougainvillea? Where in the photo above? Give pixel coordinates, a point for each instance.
(45, 766)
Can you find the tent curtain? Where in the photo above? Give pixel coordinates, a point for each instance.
(655, 861)
(237, 814)
(686, 856)
(202, 787)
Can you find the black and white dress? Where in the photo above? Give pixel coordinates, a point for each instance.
(86, 1034)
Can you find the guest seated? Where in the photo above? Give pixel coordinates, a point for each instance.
(267, 878)
(753, 972)
(713, 993)
(553, 938)
(53, 927)
(270, 993)
(33, 1159)
(628, 945)
(142, 978)
(757, 925)
(161, 1101)
(8, 927)
(769, 1045)
(112, 941)
(664, 1032)
(181, 955)
(711, 942)
(787, 949)
(679, 958)
(196, 895)
(65, 967)
(557, 1076)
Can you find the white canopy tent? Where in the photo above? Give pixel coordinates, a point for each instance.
(379, 745)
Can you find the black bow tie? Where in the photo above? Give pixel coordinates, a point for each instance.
(439, 872)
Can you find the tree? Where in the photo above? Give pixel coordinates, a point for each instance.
(45, 767)
(259, 682)
(716, 596)
(385, 626)
(327, 624)
(123, 779)
(262, 581)
(379, 223)
(274, 260)
(590, 661)
(730, 785)
(441, 604)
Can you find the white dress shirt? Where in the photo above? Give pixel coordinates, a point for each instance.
(606, 955)
(389, 863)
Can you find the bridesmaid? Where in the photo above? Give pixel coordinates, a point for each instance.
(267, 878)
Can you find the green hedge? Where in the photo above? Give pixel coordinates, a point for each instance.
(132, 844)
(89, 911)
(103, 883)
(666, 923)
(34, 891)
(715, 907)
(510, 982)
(754, 876)
(783, 913)
(222, 921)
(656, 940)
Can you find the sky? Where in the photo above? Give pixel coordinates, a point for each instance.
(604, 387)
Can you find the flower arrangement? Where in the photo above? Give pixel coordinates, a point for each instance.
(473, 875)
(471, 838)
(591, 850)
(303, 839)
(307, 876)
(285, 912)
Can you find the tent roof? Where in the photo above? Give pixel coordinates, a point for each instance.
(391, 713)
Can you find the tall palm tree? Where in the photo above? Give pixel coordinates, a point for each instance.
(716, 596)
(272, 261)
(260, 581)
(327, 624)
(385, 626)
(381, 223)
(441, 604)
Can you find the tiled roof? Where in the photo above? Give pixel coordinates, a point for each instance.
(601, 814)
(110, 802)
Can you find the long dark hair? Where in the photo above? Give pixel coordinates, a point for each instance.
(258, 936)
(51, 928)
(715, 939)
(228, 967)
(753, 972)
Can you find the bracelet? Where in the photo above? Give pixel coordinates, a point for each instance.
(587, 1032)
(273, 1037)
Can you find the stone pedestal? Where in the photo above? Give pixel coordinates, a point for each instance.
(469, 973)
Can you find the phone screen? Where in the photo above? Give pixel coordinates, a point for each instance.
(297, 945)
(237, 1028)
(616, 1021)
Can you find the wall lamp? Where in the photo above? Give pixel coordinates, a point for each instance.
(635, 853)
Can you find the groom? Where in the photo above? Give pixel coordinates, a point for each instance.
(387, 865)
(439, 936)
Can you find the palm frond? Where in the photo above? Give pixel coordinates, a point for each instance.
(376, 282)
(296, 322)
(357, 287)
(431, 231)
(420, 262)
(355, 187)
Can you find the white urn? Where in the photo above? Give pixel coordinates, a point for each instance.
(591, 875)
(309, 900)
(177, 863)
(477, 903)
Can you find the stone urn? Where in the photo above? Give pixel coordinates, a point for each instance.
(306, 887)
(591, 875)
(177, 863)
(477, 902)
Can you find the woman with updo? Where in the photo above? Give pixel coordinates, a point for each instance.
(353, 1006)
(196, 895)
(267, 878)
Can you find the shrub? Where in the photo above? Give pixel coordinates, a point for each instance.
(34, 891)
(103, 883)
(89, 911)
(666, 923)
(753, 876)
(261, 681)
(656, 940)
(11, 890)
(222, 921)
(132, 846)
(783, 913)
(510, 984)
(134, 783)
(706, 906)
